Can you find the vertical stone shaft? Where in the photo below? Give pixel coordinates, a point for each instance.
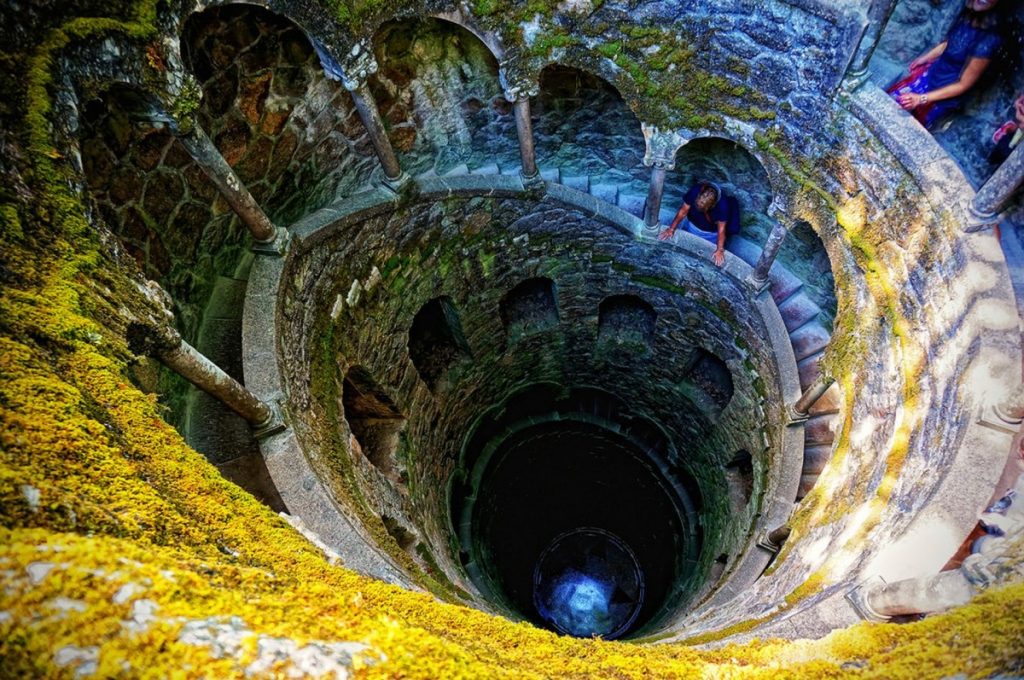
(994, 193)
(652, 209)
(879, 12)
(206, 155)
(811, 395)
(768, 254)
(922, 595)
(524, 130)
(187, 362)
(368, 113)
(1011, 409)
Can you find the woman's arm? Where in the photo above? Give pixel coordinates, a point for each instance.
(683, 211)
(931, 55)
(975, 67)
(718, 257)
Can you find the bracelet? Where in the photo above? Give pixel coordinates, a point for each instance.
(924, 98)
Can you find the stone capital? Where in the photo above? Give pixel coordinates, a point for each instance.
(661, 146)
(516, 86)
(353, 69)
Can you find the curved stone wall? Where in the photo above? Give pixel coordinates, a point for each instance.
(925, 338)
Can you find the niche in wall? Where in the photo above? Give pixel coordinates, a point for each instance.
(373, 418)
(626, 321)
(529, 308)
(436, 341)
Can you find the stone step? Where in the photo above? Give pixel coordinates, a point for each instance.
(605, 192)
(577, 182)
(816, 456)
(807, 483)
(488, 169)
(797, 311)
(809, 370)
(809, 339)
(820, 430)
(457, 171)
(550, 174)
(632, 203)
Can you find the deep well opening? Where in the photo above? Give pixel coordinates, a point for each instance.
(571, 416)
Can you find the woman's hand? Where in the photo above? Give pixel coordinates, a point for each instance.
(667, 234)
(718, 257)
(910, 101)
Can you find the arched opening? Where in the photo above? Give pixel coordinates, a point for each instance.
(530, 307)
(436, 341)
(710, 382)
(730, 167)
(292, 134)
(588, 138)
(626, 323)
(438, 91)
(739, 475)
(374, 420)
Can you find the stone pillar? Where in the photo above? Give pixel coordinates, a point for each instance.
(923, 595)
(878, 15)
(524, 130)
(210, 160)
(360, 65)
(1011, 409)
(518, 88)
(802, 408)
(994, 193)
(759, 277)
(660, 152)
(156, 337)
(652, 207)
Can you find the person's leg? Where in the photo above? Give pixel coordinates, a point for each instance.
(710, 236)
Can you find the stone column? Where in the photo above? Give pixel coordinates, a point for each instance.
(772, 540)
(923, 595)
(518, 89)
(524, 130)
(759, 277)
(652, 207)
(802, 408)
(166, 344)
(1011, 409)
(994, 193)
(878, 15)
(210, 160)
(660, 152)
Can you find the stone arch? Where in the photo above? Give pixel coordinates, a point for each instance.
(529, 307)
(291, 133)
(373, 418)
(587, 136)
(439, 93)
(626, 320)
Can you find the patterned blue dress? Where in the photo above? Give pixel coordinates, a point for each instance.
(966, 40)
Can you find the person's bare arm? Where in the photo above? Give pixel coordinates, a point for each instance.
(718, 257)
(931, 55)
(683, 211)
(975, 67)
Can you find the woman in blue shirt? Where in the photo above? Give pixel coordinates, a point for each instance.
(703, 214)
(941, 76)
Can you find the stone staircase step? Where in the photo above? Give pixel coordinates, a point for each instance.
(820, 430)
(809, 370)
(746, 250)
(816, 456)
(798, 310)
(550, 174)
(577, 182)
(632, 203)
(488, 169)
(807, 483)
(605, 192)
(784, 283)
(458, 171)
(809, 339)
(666, 215)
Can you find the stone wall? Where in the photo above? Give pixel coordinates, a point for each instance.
(474, 252)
